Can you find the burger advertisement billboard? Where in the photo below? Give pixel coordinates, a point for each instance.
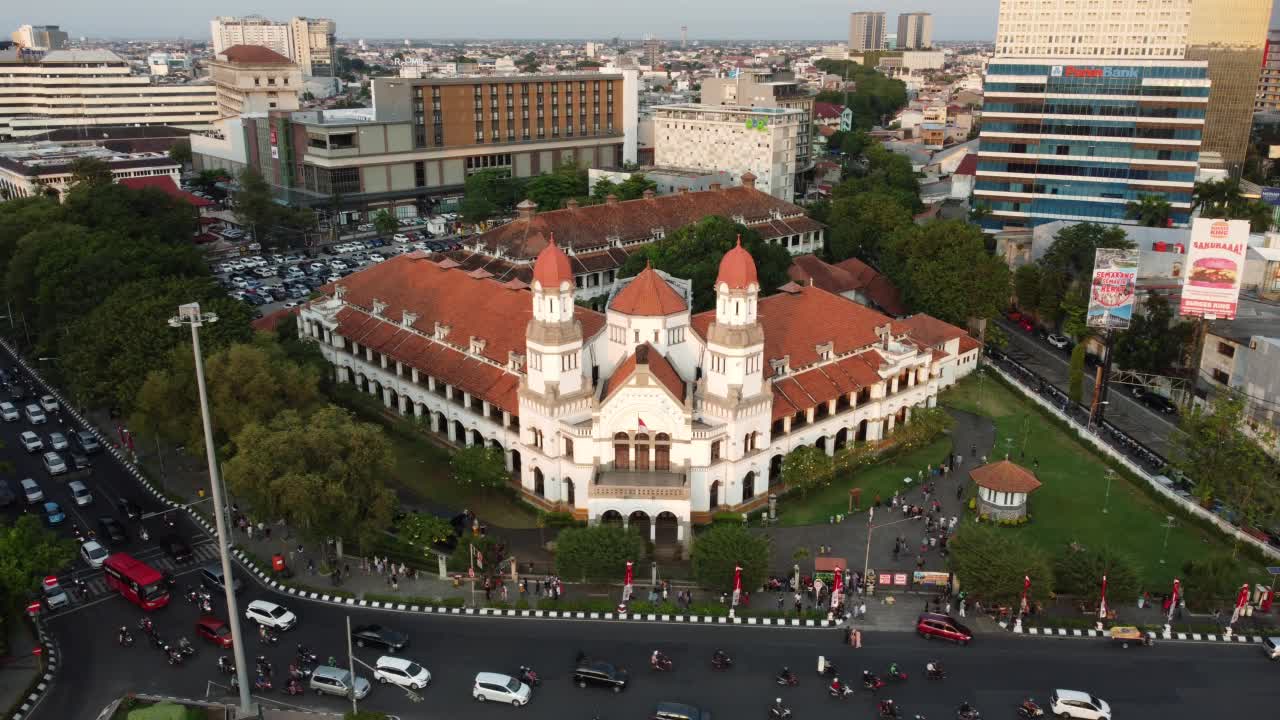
(1115, 278)
(1215, 264)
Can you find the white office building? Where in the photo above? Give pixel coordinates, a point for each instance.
(309, 42)
(866, 31)
(1096, 29)
(739, 140)
(915, 31)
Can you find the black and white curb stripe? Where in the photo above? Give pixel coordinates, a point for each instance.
(1188, 637)
(50, 651)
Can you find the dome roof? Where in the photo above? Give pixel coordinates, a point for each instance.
(552, 266)
(737, 269)
(648, 294)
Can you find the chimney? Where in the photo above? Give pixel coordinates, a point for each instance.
(648, 194)
(572, 204)
(748, 180)
(715, 186)
(526, 209)
(611, 199)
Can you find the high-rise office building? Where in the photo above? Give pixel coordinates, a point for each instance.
(309, 42)
(1229, 34)
(684, 36)
(1269, 82)
(40, 37)
(866, 31)
(652, 51)
(915, 31)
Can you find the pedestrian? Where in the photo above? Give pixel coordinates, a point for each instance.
(973, 449)
(664, 591)
(857, 638)
(962, 604)
(779, 602)
(948, 610)
(346, 569)
(249, 530)
(266, 530)
(799, 603)
(311, 566)
(959, 491)
(920, 562)
(503, 588)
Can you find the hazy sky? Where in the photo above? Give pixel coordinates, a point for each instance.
(748, 19)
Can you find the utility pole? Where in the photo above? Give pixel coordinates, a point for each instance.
(351, 665)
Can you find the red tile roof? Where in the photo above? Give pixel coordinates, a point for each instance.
(1005, 476)
(648, 294)
(552, 267)
(826, 110)
(969, 165)
(968, 344)
(254, 54)
(850, 275)
(928, 330)
(269, 322)
(165, 184)
(657, 365)
(737, 269)
(634, 221)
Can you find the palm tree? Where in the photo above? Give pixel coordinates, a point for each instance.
(1149, 211)
(1222, 199)
(1215, 194)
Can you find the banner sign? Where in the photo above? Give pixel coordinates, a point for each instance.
(926, 578)
(1271, 196)
(1215, 262)
(1115, 278)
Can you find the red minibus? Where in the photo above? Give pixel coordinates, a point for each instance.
(140, 583)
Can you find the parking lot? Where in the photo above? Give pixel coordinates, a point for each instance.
(274, 281)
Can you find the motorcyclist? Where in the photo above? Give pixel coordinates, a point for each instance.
(659, 660)
(777, 710)
(145, 625)
(786, 675)
(224, 664)
(966, 710)
(888, 708)
(837, 687)
(934, 668)
(893, 670)
(720, 657)
(1029, 705)
(123, 636)
(868, 678)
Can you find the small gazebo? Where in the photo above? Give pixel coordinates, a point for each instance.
(1003, 488)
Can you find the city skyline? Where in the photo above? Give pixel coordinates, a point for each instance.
(563, 19)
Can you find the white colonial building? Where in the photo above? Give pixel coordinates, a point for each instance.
(647, 413)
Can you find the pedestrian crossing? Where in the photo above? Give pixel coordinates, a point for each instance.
(96, 584)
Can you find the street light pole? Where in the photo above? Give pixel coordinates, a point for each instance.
(1168, 525)
(189, 314)
(1106, 498)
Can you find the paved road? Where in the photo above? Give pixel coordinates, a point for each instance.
(1136, 419)
(1169, 681)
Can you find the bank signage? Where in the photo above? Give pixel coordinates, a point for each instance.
(1077, 71)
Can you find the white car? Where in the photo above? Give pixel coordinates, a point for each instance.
(57, 441)
(80, 493)
(270, 615)
(364, 227)
(9, 412)
(1061, 342)
(31, 441)
(49, 403)
(400, 238)
(1076, 704)
(502, 688)
(35, 415)
(54, 464)
(402, 672)
(93, 553)
(376, 258)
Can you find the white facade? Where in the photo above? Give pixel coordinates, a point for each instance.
(1096, 29)
(738, 140)
(86, 88)
(29, 170)
(253, 30)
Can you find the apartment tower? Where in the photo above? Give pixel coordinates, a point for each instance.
(866, 31)
(915, 31)
(309, 42)
(1268, 99)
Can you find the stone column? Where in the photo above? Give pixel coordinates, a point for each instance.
(344, 374)
(506, 419)
(653, 529)
(932, 401)
(404, 404)
(830, 445)
(431, 383)
(413, 373)
(451, 429)
(386, 396)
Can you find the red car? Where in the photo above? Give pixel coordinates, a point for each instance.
(938, 625)
(214, 630)
(1013, 315)
(1026, 325)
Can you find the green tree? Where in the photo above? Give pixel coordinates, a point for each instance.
(87, 172)
(248, 383)
(861, 223)
(322, 474)
(425, 530)
(180, 152)
(944, 269)
(385, 223)
(1075, 374)
(107, 354)
(926, 425)
(1223, 461)
(147, 213)
(991, 563)
(598, 553)
(1053, 289)
(207, 180)
(488, 193)
(1075, 309)
(1154, 341)
(1210, 583)
(1223, 199)
(20, 216)
(694, 251)
(551, 190)
(630, 189)
(806, 468)
(717, 550)
(1074, 247)
(1078, 571)
(480, 467)
(1149, 211)
(28, 552)
(1026, 286)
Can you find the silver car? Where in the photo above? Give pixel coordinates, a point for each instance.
(35, 415)
(54, 464)
(31, 441)
(57, 441)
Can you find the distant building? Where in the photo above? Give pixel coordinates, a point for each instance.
(653, 52)
(253, 78)
(668, 180)
(770, 89)
(915, 31)
(29, 170)
(40, 37)
(314, 45)
(309, 42)
(761, 142)
(1268, 99)
(866, 31)
(90, 88)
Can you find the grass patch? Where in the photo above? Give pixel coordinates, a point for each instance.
(1069, 506)
(881, 479)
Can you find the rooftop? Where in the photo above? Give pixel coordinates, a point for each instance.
(47, 158)
(1005, 476)
(81, 56)
(253, 55)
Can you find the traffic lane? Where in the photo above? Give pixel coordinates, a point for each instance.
(994, 673)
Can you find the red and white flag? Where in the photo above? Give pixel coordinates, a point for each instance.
(479, 557)
(1242, 600)
(1026, 587)
(640, 423)
(837, 590)
(1102, 606)
(737, 584)
(626, 584)
(1173, 601)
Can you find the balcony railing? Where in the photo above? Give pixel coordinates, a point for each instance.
(639, 492)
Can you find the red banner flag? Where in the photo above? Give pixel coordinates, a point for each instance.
(737, 584)
(1102, 605)
(1026, 587)
(1173, 601)
(626, 583)
(837, 590)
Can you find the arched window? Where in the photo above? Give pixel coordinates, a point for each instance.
(749, 486)
(539, 483)
(642, 451)
(715, 451)
(621, 451)
(662, 452)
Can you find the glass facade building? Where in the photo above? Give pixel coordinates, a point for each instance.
(1078, 140)
(1231, 35)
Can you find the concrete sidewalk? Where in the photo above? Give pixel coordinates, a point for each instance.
(20, 667)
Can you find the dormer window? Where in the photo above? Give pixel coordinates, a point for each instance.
(477, 345)
(442, 331)
(781, 366)
(824, 350)
(378, 307)
(407, 319)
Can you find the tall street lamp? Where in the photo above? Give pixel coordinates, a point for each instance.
(1168, 525)
(189, 314)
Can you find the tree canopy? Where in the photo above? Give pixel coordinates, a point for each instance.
(875, 97)
(1154, 342)
(630, 189)
(943, 268)
(805, 468)
(694, 251)
(1078, 571)
(990, 563)
(598, 553)
(28, 552)
(1223, 199)
(551, 190)
(480, 467)
(273, 223)
(717, 550)
(1216, 453)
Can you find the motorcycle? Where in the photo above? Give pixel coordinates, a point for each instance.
(969, 714)
(779, 712)
(828, 668)
(1029, 709)
(193, 595)
(721, 662)
(157, 643)
(226, 666)
(529, 677)
(261, 683)
(937, 674)
(897, 674)
(185, 647)
(661, 663)
(268, 637)
(125, 638)
(305, 656)
(872, 683)
(842, 693)
(263, 666)
(175, 656)
(787, 679)
(146, 626)
(888, 709)
(294, 687)
(206, 607)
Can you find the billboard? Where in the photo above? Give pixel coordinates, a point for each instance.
(1215, 263)
(1115, 278)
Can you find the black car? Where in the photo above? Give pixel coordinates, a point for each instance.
(176, 548)
(80, 461)
(1155, 401)
(588, 671)
(88, 442)
(678, 711)
(129, 509)
(112, 530)
(379, 636)
(7, 495)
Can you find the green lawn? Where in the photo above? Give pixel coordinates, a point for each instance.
(1069, 506)
(879, 479)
